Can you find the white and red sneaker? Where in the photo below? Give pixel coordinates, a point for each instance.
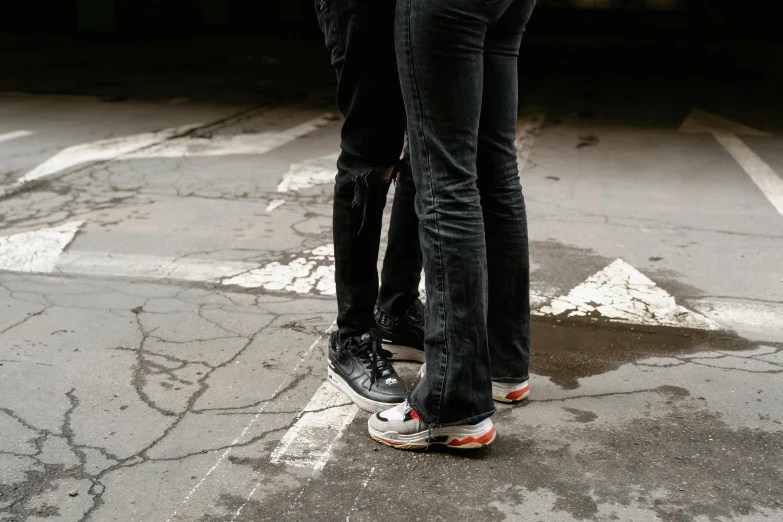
(501, 391)
(510, 391)
(400, 427)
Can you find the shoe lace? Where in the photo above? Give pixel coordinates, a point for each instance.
(370, 352)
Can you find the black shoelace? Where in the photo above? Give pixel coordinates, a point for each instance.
(370, 352)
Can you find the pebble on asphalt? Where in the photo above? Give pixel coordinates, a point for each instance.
(73, 492)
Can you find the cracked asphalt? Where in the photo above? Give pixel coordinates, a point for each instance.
(129, 393)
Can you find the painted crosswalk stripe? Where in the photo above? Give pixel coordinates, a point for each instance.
(8, 136)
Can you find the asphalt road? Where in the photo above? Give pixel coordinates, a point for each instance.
(166, 285)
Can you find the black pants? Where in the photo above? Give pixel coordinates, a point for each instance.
(458, 66)
(360, 37)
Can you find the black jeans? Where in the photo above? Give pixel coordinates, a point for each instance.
(458, 67)
(360, 37)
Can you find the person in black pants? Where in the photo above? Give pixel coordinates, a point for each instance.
(359, 35)
(457, 62)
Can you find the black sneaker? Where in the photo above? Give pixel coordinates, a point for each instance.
(403, 336)
(360, 368)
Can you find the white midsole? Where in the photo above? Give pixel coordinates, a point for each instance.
(421, 438)
(362, 402)
(404, 353)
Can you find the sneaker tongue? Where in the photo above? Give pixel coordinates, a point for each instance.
(364, 350)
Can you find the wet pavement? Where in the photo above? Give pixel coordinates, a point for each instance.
(166, 282)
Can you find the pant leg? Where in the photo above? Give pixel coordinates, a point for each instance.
(402, 264)
(440, 59)
(502, 202)
(360, 37)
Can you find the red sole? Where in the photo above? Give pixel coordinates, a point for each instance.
(516, 395)
(483, 440)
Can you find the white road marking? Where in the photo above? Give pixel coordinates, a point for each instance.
(102, 150)
(38, 250)
(727, 132)
(528, 128)
(621, 293)
(759, 171)
(308, 173)
(757, 321)
(241, 436)
(309, 442)
(364, 486)
(8, 136)
(41, 251)
(164, 144)
(260, 143)
(150, 267)
(242, 507)
(703, 122)
(314, 271)
(275, 203)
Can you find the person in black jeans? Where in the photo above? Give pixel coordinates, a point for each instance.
(360, 37)
(457, 61)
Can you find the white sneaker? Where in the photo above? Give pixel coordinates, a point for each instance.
(400, 427)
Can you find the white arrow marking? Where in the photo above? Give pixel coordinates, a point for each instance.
(303, 275)
(41, 251)
(621, 293)
(98, 151)
(313, 271)
(161, 145)
(309, 443)
(528, 128)
(259, 143)
(36, 251)
(308, 173)
(8, 136)
(727, 132)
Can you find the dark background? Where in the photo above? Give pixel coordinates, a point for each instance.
(264, 19)
(259, 51)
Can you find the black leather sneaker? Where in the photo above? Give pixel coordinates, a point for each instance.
(403, 336)
(360, 368)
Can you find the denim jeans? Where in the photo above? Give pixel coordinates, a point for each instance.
(458, 67)
(359, 35)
